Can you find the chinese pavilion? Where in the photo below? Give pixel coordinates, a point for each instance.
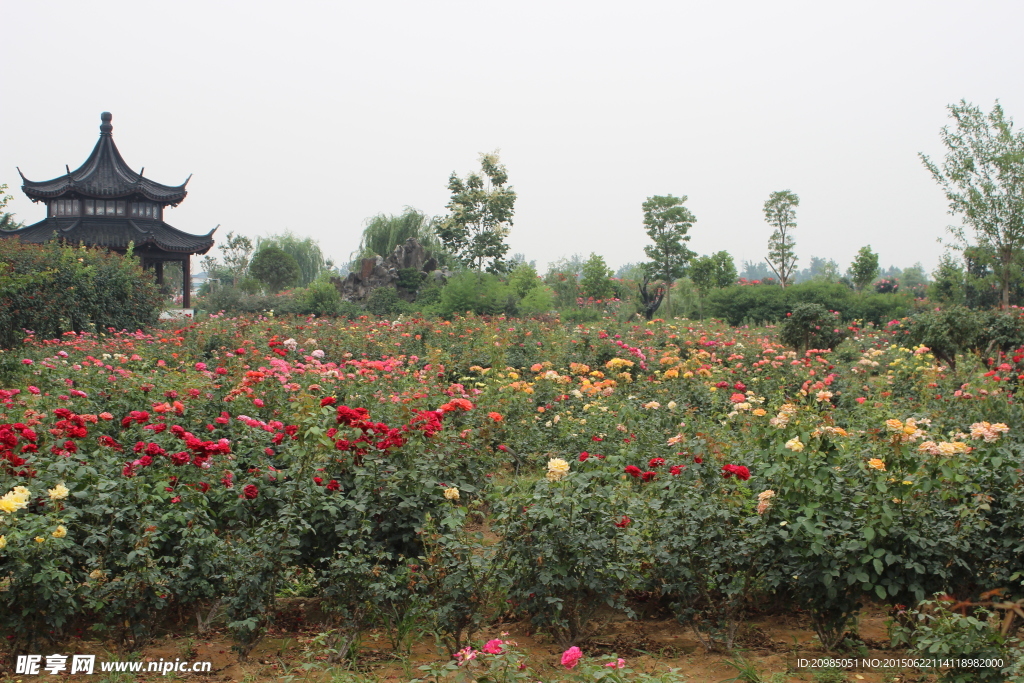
(104, 203)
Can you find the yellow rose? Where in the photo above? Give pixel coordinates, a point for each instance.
(58, 492)
(3, 542)
(452, 493)
(557, 468)
(60, 532)
(39, 539)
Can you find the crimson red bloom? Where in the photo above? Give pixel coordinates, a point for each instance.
(333, 485)
(633, 471)
(676, 469)
(328, 401)
(656, 462)
(740, 471)
(624, 522)
(648, 476)
(250, 491)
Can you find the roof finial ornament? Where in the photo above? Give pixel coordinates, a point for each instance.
(105, 127)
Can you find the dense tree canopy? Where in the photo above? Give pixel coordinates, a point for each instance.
(482, 206)
(982, 176)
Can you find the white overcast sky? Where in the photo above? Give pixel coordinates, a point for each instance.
(315, 116)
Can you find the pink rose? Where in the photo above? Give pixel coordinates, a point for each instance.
(621, 664)
(493, 647)
(571, 657)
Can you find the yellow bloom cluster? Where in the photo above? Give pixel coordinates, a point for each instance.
(877, 464)
(15, 499)
(58, 492)
(60, 532)
(795, 444)
(908, 431)
(557, 468)
(618, 364)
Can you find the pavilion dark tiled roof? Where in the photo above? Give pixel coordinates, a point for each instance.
(115, 234)
(104, 175)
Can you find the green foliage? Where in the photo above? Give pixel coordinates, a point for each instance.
(812, 326)
(596, 281)
(52, 288)
(952, 331)
(780, 212)
(760, 303)
(864, 268)
(538, 301)
(523, 278)
(982, 177)
(481, 208)
(713, 272)
(275, 268)
(7, 220)
(667, 223)
(567, 555)
(305, 250)
(385, 301)
(320, 298)
(480, 293)
(384, 232)
(933, 631)
(237, 253)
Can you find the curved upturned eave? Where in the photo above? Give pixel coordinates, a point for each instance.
(104, 175)
(114, 234)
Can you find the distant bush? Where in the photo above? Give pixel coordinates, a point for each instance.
(957, 330)
(538, 301)
(53, 288)
(320, 298)
(385, 301)
(812, 326)
(481, 293)
(234, 299)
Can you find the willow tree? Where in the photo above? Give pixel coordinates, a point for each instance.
(305, 250)
(983, 179)
(384, 232)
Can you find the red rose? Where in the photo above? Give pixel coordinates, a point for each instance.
(648, 476)
(250, 491)
(333, 485)
(633, 471)
(740, 471)
(624, 522)
(328, 401)
(656, 462)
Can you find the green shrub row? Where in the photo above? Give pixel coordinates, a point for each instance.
(756, 304)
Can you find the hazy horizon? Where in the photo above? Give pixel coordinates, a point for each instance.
(317, 116)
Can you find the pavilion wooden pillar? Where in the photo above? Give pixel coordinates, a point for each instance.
(186, 282)
(159, 268)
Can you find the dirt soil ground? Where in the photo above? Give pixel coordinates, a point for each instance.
(774, 643)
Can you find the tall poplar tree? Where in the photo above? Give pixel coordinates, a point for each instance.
(780, 212)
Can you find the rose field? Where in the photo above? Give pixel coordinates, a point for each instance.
(401, 500)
